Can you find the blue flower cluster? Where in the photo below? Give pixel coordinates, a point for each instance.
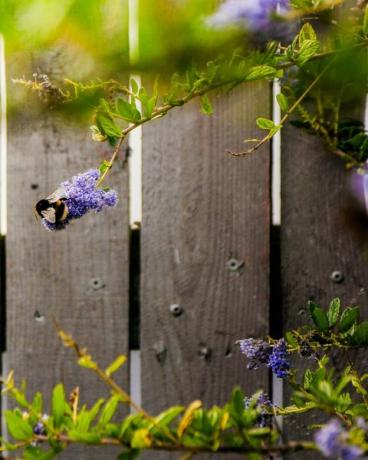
(253, 14)
(82, 196)
(263, 404)
(260, 352)
(331, 440)
(256, 350)
(279, 360)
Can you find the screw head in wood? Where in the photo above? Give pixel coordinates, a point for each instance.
(96, 284)
(234, 264)
(205, 353)
(337, 276)
(176, 309)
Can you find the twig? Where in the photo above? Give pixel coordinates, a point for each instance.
(160, 111)
(284, 118)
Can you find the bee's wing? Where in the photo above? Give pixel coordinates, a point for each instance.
(49, 214)
(57, 195)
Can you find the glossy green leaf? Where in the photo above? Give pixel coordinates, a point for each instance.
(35, 453)
(307, 33)
(115, 365)
(108, 411)
(129, 455)
(88, 438)
(319, 317)
(349, 316)
(17, 427)
(265, 123)
(333, 312)
(107, 125)
(260, 72)
(283, 102)
(58, 404)
(360, 336)
(307, 50)
(127, 110)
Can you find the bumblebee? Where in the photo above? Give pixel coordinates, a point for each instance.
(53, 208)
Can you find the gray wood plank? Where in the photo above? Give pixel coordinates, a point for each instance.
(54, 273)
(202, 208)
(318, 237)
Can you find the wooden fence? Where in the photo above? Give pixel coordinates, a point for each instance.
(212, 268)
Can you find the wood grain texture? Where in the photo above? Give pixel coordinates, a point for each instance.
(319, 234)
(202, 208)
(79, 275)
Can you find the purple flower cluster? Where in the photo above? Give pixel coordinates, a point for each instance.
(259, 352)
(39, 429)
(82, 196)
(263, 404)
(331, 440)
(253, 14)
(256, 350)
(279, 360)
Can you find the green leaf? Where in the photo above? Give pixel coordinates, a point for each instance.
(108, 411)
(35, 453)
(365, 21)
(360, 336)
(261, 72)
(107, 125)
(265, 123)
(319, 317)
(349, 316)
(333, 312)
(206, 106)
(308, 49)
(88, 438)
(306, 33)
(37, 403)
(104, 166)
(127, 110)
(283, 102)
(167, 416)
(87, 362)
(291, 339)
(308, 377)
(58, 404)
(134, 86)
(141, 439)
(95, 410)
(129, 455)
(115, 365)
(18, 428)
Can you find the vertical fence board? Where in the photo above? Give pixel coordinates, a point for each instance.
(202, 208)
(317, 238)
(79, 275)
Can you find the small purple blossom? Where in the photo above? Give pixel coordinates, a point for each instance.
(82, 196)
(39, 429)
(263, 404)
(256, 350)
(255, 15)
(331, 440)
(279, 359)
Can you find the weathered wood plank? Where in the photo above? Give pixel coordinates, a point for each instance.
(202, 208)
(317, 238)
(79, 275)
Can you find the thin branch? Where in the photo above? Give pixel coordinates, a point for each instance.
(284, 118)
(291, 446)
(163, 110)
